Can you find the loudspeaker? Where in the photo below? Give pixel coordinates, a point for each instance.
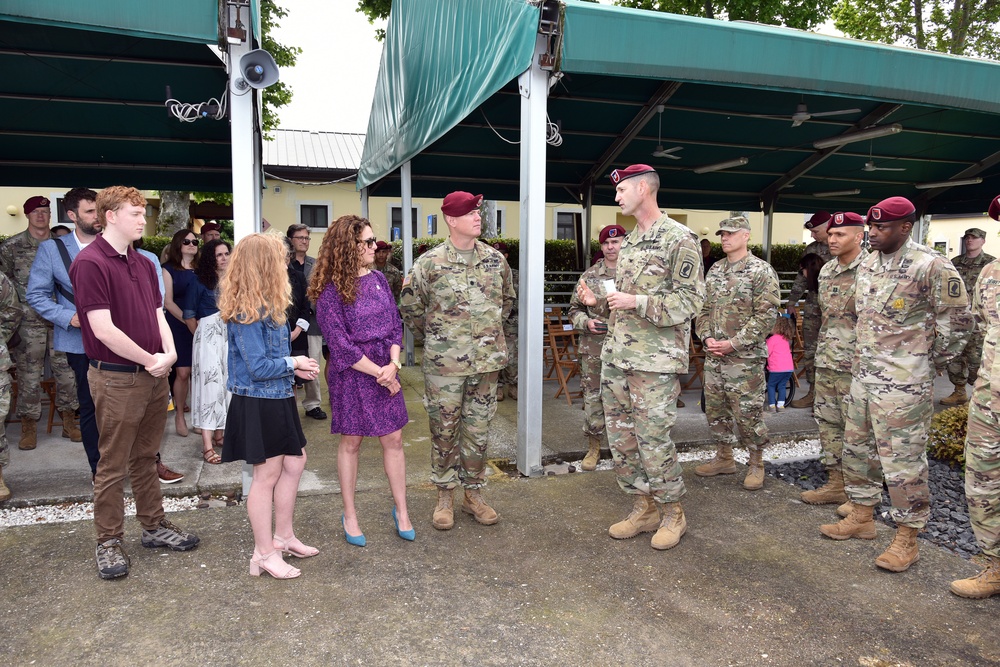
(259, 70)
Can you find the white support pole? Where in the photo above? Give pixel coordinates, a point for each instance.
(406, 194)
(533, 87)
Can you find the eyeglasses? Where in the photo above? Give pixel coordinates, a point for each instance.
(301, 238)
(369, 242)
(193, 242)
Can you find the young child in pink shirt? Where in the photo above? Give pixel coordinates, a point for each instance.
(779, 362)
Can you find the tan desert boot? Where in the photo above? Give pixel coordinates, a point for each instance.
(845, 509)
(829, 493)
(593, 453)
(444, 513)
(983, 585)
(755, 472)
(672, 527)
(501, 394)
(70, 429)
(902, 553)
(721, 464)
(29, 434)
(804, 402)
(475, 505)
(644, 518)
(956, 397)
(4, 491)
(859, 523)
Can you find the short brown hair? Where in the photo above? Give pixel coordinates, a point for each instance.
(112, 199)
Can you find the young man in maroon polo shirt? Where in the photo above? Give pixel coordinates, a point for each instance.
(128, 342)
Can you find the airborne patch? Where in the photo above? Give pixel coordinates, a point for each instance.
(687, 268)
(954, 287)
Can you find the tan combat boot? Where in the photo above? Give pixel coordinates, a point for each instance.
(829, 493)
(70, 429)
(4, 491)
(672, 527)
(845, 509)
(804, 402)
(593, 453)
(957, 397)
(721, 464)
(512, 392)
(501, 394)
(644, 518)
(29, 434)
(983, 585)
(859, 523)
(755, 472)
(444, 513)
(475, 505)
(902, 553)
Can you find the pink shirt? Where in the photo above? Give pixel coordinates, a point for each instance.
(779, 355)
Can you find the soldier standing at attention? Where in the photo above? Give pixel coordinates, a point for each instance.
(16, 257)
(982, 442)
(658, 290)
(383, 251)
(456, 299)
(817, 225)
(913, 317)
(507, 380)
(741, 305)
(962, 369)
(592, 331)
(835, 349)
(10, 318)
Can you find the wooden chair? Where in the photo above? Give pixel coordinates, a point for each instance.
(696, 366)
(48, 386)
(562, 341)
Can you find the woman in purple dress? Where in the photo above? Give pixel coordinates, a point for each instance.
(361, 326)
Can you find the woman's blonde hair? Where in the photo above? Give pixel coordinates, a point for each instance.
(339, 259)
(255, 285)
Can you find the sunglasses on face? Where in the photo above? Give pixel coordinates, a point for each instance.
(193, 242)
(369, 242)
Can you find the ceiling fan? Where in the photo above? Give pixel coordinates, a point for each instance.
(802, 114)
(870, 165)
(659, 152)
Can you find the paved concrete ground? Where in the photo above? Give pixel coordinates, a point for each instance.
(752, 583)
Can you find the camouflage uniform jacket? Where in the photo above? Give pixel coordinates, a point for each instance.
(799, 287)
(662, 268)
(986, 304)
(17, 254)
(741, 305)
(594, 277)
(510, 324)
(10, 318)
(969, 269)
(837, 333)
(394, 277)
(458, 309)
(913, 316)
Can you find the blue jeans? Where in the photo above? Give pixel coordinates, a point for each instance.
(777, 381)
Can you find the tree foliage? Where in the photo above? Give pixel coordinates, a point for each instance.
(376, 10)
(802, 14)
(960, 27)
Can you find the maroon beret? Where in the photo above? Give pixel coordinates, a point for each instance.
(500, 245)
(847, 219)
(818, 219)
(619, 175)
(891, 209)
(211, 227)
(382, 245)
(995, 208)
(35, 202)
(611, 232)
(459, 203)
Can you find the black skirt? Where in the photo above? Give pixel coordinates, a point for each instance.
(260, 428)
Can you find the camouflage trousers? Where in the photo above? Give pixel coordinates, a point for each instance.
(459, 410)
(830, 412)
(963, 368)
(886, 436)
(982, 476)
(508, 374)
(811, 321)
(4, 409)
(29, 358)
(734, 401)
(590, 384)
(640, 409)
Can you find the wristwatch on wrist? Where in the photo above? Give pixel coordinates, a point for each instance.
(399, 366)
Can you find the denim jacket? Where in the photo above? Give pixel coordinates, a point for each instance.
(259, 365)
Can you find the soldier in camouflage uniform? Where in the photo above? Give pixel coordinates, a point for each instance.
(741, 305)
(10, 318)
(658, 290)
(982, 443)
(817, 225)
(591, 341)
(913, 317)
(383, 264)
(962, 369)
(835, 349)
(455, 300)
(16, 256)
(507, 379)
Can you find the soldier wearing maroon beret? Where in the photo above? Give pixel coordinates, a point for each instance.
(383, 251)
(913, 317)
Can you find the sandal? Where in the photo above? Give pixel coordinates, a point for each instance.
(211, 456)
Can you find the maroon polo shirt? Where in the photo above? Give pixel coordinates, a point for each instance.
(104, 279)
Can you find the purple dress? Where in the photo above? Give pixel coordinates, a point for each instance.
(368, 327)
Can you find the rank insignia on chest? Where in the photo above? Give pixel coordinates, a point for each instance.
(835, 290)
(898, 304)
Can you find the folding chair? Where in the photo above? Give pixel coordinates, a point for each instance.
(562, 341)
